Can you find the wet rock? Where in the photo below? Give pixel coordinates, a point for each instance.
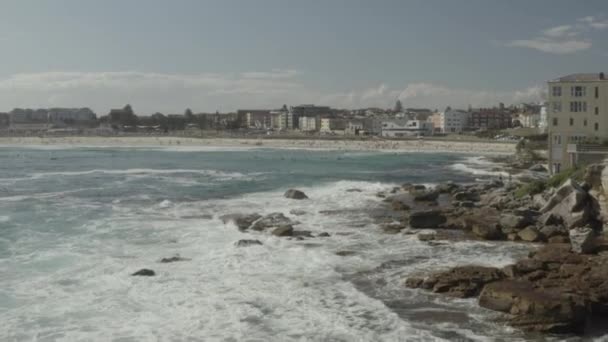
(345, 253)
(581, 240)
(392, 228)
(284, 231)
(297, 212)
(463, 204)
(414, 283)
(466, 196)
(463, 281)
(427, 219)
(144, 272)
(530, 234)
(399, 205)
(426, 236)
(295, 194)
(273, 220)
(242, 221)
(324, 234)
(447, 188)
(425, 196)
(488, 232)
(538, 168)
(354, 190)
(303, 233)
(248, 243)
(174, 258)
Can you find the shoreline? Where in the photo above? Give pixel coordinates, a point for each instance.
(187, 144)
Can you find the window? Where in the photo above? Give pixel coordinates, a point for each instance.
(557, 107)
(557, 139)
(597, 110)
(597, 126)
(557, 91)
(571, 122)
(577, 91)
(554, 121)
(578, 107)
(585, 123)
(597, 92)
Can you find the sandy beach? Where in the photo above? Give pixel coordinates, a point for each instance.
(205, 143)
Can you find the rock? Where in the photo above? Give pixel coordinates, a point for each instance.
(297, 212)
(303, 233)
(463, 204)
(427, 219)
(512, 221)
(426, 236)
(488, 232)
(392, 228)
(295, 194)
(552, 230)
(463, 281)
(447, 188)
(399, 205)
(570, 203)
(273, 220)
(425, 196)
(558, 239)
(283, 231)
(324, 234)
(530, 234)
(535, 310)
(466, 196)
(242, 221)
(144, 272)
(354, 190)
(581, 240)
(174, 258)
(414, 283)
(345, 253)
(247, 243)
(538, 168)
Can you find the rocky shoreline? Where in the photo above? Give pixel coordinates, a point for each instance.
(559, 288)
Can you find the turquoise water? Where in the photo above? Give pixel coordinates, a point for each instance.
(74, 224)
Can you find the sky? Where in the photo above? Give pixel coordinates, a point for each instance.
(208, 55)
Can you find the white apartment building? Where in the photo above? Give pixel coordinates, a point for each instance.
(308, 123)
(454, 121)
(405, 128)
(70, 115)
(577, 114)
(543, 122)
(332, 126)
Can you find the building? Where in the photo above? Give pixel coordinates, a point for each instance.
(309, 123)
(71, 116)
(332, 126)
(490, 118)
(577, 116)
(454, 121)
(4, 120)
(543, 123)
(308, 110)
(435, 120)
(406, 128)
(353, 128)
(29, 116)
(254, 118)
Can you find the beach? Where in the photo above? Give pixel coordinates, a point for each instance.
(188, 143)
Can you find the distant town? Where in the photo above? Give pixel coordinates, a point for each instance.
(308, 120)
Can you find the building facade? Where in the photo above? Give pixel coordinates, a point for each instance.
(577, 114)
(454, 121)
(406, 128)
(68, 116)
(309, 123)
(490, 118)
(332, 126)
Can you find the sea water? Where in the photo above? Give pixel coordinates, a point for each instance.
(76, 222)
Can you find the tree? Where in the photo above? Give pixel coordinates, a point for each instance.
(398, 107)
(188, 114)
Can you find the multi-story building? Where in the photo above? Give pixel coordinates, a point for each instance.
(577, 116)
(308, 110)
(405, 128)
(4, 120)
(254, 118)
(490, 118)
(354, 128)
(332, 126)
(68, 116)
(308, 123)
(454, 121)
(543, 123)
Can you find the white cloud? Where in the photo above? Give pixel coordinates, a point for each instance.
(563, 39)
(552, 46)
(172, 93)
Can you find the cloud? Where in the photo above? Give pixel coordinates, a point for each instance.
(552, 46)
(563, 39)
(150, 92)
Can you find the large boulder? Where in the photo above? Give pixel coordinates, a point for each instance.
(144, 272)
(535, 310)
(242, 221)
(273, 220)
(283, 231)
(582, 240)
(466, 196)
(427, 219)
(425, 196)
(295, 194)
(571, 204)
(488, 232)
(463, 281)
(530, 234)
(513, 221)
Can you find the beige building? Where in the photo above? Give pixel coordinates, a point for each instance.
(577, 118)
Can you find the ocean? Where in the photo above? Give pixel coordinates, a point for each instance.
(76, 222)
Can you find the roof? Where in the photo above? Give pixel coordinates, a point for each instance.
(583, 77)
